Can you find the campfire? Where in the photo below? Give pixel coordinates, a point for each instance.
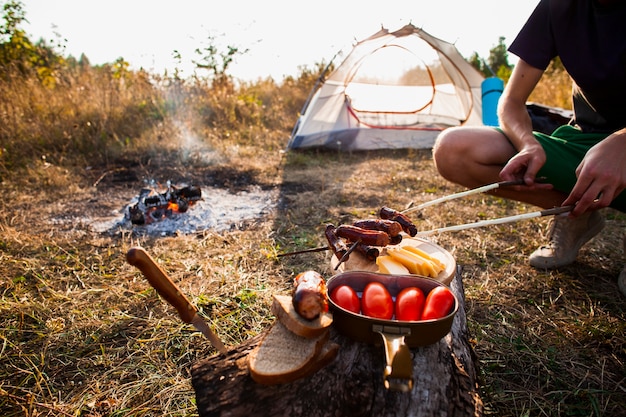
(153, 206)
(165, 210)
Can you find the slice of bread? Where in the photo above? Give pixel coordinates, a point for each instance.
(282, 308)
(327, 355)
(283, 356)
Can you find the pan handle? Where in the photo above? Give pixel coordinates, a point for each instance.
(398, 373)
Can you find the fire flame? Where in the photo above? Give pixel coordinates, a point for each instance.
(155, 206)
(172, 206)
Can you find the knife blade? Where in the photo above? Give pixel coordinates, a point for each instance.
(167, 289)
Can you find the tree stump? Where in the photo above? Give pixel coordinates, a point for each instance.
(445, 382)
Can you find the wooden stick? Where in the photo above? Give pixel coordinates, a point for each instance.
(478, 190)
(548, 212)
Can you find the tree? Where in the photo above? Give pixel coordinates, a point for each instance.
(15, 47)
(477, 62)
(215, 61)
(18, 52)
(499, 60)
(497, 64)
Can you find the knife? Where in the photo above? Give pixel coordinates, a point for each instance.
(166, 288)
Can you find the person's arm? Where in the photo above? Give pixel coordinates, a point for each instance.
(601, 174)
(516, 124)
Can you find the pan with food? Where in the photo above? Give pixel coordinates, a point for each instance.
(380, 295)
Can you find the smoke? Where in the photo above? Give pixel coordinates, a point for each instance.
(192, 148)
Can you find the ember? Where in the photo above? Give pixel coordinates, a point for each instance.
(154, 206)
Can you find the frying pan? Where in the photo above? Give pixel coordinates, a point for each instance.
(396, 336)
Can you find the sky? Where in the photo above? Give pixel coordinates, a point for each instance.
(280, 37)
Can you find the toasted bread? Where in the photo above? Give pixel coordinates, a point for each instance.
(283, 356)
(282, 308)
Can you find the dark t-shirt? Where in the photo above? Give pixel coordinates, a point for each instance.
(591, 41)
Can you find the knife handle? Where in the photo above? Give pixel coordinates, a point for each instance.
(159, 280)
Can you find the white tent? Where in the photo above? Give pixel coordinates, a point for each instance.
(393, 90)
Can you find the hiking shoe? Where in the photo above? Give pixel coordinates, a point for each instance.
(567, 236)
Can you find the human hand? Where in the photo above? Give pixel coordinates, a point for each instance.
(601, 175)
(525, 165)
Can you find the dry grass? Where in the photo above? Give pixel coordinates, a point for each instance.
(555, 88)
(87, 114)
(82, 333)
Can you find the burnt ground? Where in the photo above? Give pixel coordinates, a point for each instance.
(105, 203)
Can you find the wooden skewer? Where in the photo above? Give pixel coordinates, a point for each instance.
(541, 213)
(478, 190)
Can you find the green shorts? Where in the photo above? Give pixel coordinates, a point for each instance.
(565, 148)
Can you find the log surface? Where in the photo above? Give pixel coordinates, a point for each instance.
(445, 381)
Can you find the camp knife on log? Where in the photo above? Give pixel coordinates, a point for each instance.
(166, 288)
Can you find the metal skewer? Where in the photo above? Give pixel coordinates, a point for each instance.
(347, 254)
(541, 213)
(478, 190)
(319, 249)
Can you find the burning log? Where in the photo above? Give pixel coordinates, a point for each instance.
(154, 206)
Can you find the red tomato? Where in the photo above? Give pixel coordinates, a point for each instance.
(345, 297)
(409, 304)
(376, 301)
(439, 302)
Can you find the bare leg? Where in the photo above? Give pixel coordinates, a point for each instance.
(474, 156)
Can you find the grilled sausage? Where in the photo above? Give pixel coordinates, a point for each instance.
(337, 245)
(405, 222)
(370, 252)
(367, 237)
(309, 295)
(395, 240)
(391, 227)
